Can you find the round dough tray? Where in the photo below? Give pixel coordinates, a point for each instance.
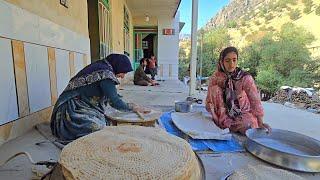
(285, 148)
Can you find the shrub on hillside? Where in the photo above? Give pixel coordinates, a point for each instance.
(307, 9)
(270, 28)
(246, 17)
(295, 14)
(272, 5)
(318, 10)
(308, 6)
(281, 4)
(257, 22)
(263, 11)
(243, 22)
(251, 14)
(269, 16)
(307, 2)
(263, 28)
(231, 24)
(242, 32)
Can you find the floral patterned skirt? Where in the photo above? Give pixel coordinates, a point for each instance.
(78, 117)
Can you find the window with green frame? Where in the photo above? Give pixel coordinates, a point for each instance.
(126, 31)
(105, 28)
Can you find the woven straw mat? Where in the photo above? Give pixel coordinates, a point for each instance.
(129, 152)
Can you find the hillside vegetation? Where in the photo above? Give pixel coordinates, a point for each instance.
(279, 43)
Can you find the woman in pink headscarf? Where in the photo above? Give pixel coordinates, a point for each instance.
(233, 99)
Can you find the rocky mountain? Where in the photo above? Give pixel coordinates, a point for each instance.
(248, 20)
(234, 10)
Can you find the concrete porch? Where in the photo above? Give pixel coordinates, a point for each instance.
(161, 97)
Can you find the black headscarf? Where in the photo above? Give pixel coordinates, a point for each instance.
(120, 63)
(102, 69)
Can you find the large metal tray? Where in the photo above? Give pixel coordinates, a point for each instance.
(285, 148)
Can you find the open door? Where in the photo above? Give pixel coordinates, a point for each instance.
(146, 43)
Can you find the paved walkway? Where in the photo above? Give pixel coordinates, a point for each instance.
(163, 96)
(220, 165)
(277, 115)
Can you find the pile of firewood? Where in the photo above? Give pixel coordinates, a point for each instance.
(281, 96)
(300, 99)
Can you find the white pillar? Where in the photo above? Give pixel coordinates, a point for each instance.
(193, 61)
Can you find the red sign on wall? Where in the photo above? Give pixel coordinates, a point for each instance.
(168, 31)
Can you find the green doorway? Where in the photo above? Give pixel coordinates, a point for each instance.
(145, 43)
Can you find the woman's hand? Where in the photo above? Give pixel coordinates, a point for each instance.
(263, 125)
(153, 83)
(240, 126)
(137, 108)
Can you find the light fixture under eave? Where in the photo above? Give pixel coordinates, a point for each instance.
(147, 18)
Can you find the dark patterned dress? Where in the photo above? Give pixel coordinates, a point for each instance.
(80, 109)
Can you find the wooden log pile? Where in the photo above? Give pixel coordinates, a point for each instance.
(281, 96)
(299, 98)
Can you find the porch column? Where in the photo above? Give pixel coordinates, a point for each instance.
(193, 60)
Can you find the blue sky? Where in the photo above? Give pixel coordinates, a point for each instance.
(207, 9)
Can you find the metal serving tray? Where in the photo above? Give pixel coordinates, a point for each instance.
(285, 148)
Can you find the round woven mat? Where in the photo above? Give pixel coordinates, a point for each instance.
(129, 152)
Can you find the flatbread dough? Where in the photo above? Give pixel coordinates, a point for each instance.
(132, 117)
(261, 172)
(199, 125)
(129, 152)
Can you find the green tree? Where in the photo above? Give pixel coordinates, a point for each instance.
(269, 80)
(251, 57)
(300, 77)
(291, 32)
(282, 59)
(184, 59)
(213, 42)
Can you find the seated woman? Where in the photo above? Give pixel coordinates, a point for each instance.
(140, 77)
(80, 109)
(233, 99)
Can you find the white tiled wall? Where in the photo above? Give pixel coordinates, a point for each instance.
(62, 69)
(8, 98)
(166, 71)
(168, 46)
(17, 23)
(175, 70)
(78, 62)
(37, 70)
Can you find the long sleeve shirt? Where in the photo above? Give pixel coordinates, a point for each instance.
(139, 75)
(248, 96)
(106, 88)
